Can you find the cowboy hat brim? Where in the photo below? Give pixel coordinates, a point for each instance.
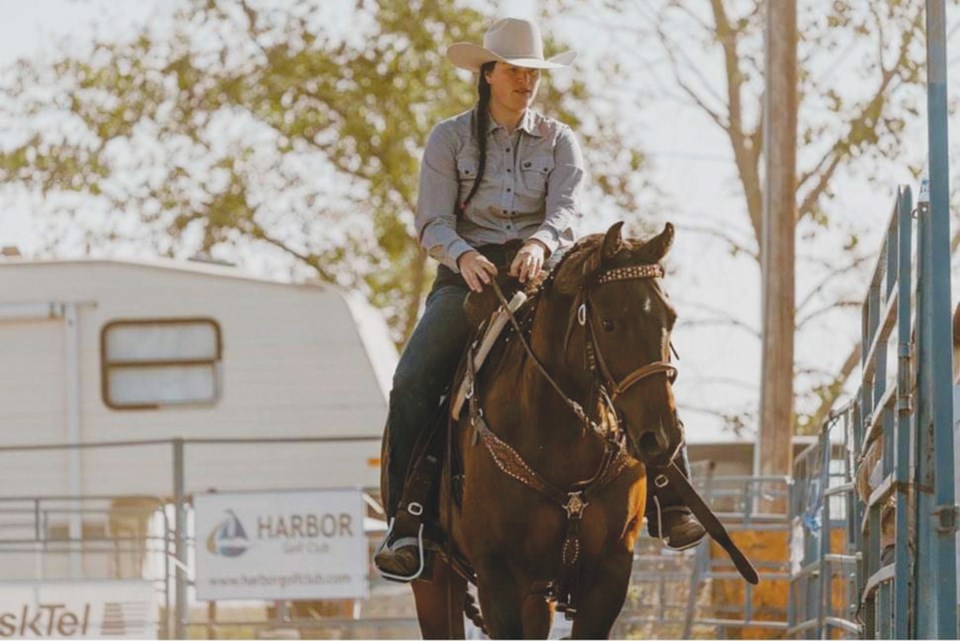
(469, 56)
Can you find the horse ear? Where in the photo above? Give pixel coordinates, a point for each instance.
(658, 246)
(612, 242)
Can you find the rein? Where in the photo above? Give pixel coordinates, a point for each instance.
(594, 355)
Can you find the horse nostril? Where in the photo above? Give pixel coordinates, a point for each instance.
(650, 444)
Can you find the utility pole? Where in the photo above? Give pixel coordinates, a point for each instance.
(773, 455)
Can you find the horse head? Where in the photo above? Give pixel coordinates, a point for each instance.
(621, 319)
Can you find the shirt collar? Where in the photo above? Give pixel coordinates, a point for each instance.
(527, 124)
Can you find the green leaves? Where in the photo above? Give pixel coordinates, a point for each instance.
(296, 129)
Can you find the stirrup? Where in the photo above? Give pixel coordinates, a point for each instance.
(383, 544)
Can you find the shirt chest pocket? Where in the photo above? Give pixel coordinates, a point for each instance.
(467, 169)
(534, 173)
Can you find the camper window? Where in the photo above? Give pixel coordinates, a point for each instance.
(152, 363)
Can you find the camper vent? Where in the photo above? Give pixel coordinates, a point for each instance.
(10, 251)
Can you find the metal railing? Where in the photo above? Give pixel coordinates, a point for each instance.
(75, 536)
(698, 592)
(124, 537)
(148, 537)
(823, 596)
(881, 477)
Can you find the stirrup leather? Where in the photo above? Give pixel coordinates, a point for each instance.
(402, 542)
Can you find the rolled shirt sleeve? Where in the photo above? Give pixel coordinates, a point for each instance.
(436, 218)
(562, 213)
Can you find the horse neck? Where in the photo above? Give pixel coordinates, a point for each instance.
(524, 409)
(538, 397)
(547, 337)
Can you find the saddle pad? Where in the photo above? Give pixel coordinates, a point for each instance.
(498, 321)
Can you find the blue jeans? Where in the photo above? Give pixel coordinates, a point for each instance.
(428, 364)
(425, 370)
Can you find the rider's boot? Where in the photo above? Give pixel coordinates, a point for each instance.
(406, 551)
(401, 556)
(668, 518)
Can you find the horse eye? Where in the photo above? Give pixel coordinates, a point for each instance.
(607, 325)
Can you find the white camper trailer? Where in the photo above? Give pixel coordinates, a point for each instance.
(104, 351)
(139, 353)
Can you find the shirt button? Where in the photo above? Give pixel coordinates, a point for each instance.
(509, 190)
(508, 148)
(509, 170)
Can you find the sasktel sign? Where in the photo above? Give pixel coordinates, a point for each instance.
(78, 610)
(45, 620)
(281, 545)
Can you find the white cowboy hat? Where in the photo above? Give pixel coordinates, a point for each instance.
(512, 40)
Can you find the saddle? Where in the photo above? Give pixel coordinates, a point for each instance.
(418, 510)
(489, 331)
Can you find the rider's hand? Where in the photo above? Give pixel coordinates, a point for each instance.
(476, 269)
(528, 262)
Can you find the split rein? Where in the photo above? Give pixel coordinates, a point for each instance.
(609, 388)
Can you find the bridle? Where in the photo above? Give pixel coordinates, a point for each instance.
(608, 387)
(594, 354)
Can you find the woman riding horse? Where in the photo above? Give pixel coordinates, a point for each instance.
(499, 189)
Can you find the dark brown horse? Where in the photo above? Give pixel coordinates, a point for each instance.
(553, 498)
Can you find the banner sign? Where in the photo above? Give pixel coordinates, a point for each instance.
(78, 609)
(281, 545)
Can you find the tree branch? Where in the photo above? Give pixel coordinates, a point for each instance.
(834, 272)
(842, 148)
(735, 244)
(820, 311)
(839, 382)
(254, 230)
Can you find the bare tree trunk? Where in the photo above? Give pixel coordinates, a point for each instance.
(777, 252)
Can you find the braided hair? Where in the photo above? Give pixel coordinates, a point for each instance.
(480, 120)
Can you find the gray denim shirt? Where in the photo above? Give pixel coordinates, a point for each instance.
(531, 187)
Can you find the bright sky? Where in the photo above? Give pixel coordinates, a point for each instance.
(692, 161)
(31, 29)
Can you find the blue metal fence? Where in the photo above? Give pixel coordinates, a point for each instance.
(823, 599)
(905, 515)
(894, 444)
(883, 436)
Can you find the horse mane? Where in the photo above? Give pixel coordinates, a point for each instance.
(582, 261)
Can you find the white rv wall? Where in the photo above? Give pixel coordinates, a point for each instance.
(293, 364)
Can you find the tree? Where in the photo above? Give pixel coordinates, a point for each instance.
(297, 127)
(850, 123)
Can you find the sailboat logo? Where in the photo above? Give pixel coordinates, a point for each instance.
(228, 538)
